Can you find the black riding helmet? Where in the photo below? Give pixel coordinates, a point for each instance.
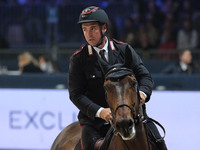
(94, 14)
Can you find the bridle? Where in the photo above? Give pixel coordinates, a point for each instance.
(116, 74)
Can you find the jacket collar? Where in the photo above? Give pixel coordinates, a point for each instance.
(113, 53)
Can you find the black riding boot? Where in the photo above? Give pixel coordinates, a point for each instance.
(154, 136)
(156, 140)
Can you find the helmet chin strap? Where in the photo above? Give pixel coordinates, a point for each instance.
(102, 36)
(101, 40)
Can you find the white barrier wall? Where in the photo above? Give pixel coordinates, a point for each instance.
(179, 112)
(32, 118)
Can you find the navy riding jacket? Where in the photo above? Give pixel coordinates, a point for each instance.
(85, 79)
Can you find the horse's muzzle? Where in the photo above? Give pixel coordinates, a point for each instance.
(126, 128)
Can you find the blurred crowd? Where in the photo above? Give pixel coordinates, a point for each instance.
(27, 63)
(145, 24)
(162, 27)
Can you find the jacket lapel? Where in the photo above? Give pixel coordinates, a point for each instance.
(113, 53)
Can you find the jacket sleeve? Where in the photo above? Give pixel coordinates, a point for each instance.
(77, 85)
(142, 74)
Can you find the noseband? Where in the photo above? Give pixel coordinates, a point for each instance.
(117, 74)
(131, 108)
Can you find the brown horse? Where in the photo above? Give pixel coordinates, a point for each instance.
(124, 101)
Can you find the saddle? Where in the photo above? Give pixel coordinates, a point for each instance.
(98, 144)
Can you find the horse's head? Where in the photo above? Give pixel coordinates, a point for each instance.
(123, 99)
(122, 95)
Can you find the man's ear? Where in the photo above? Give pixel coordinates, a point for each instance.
(104, 28)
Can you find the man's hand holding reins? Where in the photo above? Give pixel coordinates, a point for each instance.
(106, 114)
(142, 96)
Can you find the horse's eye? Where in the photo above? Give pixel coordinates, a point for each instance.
(133, 84)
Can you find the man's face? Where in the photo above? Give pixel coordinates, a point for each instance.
(92, 32)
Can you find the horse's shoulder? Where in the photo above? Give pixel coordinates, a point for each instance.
(68, 137)
(71, 127)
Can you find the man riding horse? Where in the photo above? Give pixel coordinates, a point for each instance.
(86, 78)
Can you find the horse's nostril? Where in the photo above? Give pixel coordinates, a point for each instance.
(130, 123)
(118, 125)
(127, 124)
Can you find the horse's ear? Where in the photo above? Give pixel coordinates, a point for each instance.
(128, 58)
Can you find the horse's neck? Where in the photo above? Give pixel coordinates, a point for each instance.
(140, 142)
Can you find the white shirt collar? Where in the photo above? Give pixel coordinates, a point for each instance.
(105, 48)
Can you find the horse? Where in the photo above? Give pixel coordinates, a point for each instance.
(124, 101)
(123, 98)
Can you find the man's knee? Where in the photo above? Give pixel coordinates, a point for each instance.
(86, 146)
(89, 136)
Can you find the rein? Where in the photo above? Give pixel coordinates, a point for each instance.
(156, 122)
